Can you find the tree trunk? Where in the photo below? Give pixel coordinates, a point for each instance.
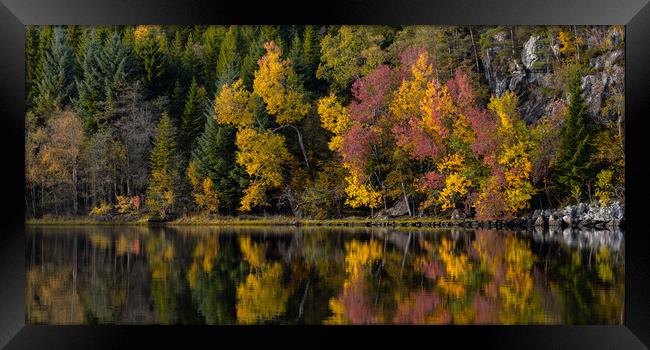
(471, 35)
(575, 32)
(42, 200)
(406, 199)
(302, 147)
(74, 191)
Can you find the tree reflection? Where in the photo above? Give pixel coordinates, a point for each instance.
(222, 275)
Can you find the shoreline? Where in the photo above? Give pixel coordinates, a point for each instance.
(516, 223)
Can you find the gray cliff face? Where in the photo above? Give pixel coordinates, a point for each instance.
(529, 73)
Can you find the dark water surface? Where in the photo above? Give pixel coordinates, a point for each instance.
(230, 275)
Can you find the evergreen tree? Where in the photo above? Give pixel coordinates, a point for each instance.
(31, 61)
(193, 119)
(150, 48)
(228, 52)
(249, 62)
(75, 36)
(103, 75)
(114, 60)
(211, 41)
(164, 170)
(573, 165)
(215, 155)
(310, 55)
(295, 55)
(89, 87)
(56, 81)
(44, 38)
(176, 103)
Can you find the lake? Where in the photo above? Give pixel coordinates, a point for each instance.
(321, 275)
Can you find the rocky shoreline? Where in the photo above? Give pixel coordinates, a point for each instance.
(583, 215)
(591, 216)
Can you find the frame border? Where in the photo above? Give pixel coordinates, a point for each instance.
(635, 14)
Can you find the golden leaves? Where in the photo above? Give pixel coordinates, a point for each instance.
(235, 105)
(360, 193)
(276, 83)
(334, 117)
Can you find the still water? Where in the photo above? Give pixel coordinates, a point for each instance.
(282, 275)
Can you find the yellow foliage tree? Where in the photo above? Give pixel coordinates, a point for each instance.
(334, 117)
(409, 98)
(514, 158)
(456, 184)
(360, 193)
(235, 105)
(277, 84)
(263, 156)
(203, 192)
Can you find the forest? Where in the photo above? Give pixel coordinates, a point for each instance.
(489, 122)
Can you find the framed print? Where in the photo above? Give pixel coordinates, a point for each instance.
(463, 172)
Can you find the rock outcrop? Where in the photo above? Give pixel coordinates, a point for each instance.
(593, 215)
(529, 73)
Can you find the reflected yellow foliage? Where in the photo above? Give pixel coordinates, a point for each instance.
(520, 302)
(360, 254)
(205, 252)
(262, 296)
(456, 267)
(254, 253)
(603, 261)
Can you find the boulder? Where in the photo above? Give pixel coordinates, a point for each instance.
(554, 221)
(529, 54)
(399, 209)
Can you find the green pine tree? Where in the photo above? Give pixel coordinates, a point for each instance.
(228, 52)
(44, 38)
(56, 81)
(249, 62)
(215, 154)
(310, 54)
(31, 61)
(176, 103)
(113, 61)
(150, 49)
(574, 165)
(89, 87)
(193, 120)
(295, 55)
(164, 170)
(211, 42)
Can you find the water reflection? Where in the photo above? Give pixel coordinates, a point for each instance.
(220, 275)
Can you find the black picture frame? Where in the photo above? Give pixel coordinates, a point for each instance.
(15, 14)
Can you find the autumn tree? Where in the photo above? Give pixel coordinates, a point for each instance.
(164, 170)
(350, 53)
(202, 190)
(510, 181)
(60, 154)
(277, 84)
